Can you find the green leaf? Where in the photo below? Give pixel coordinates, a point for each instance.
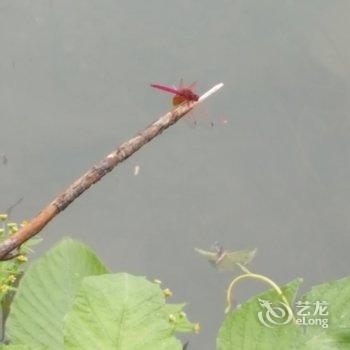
(120, 312)
(330, 340)
(181, 322)
(336, 294)
(22, 347)
(243, 330)
(27, 246)
(337, 334)
(46, 294)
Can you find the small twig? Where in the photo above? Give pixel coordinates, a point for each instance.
(8, 211)
(96, 173)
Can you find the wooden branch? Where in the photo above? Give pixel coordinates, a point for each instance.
(95, 174)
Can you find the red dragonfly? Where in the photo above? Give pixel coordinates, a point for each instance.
(181, 94)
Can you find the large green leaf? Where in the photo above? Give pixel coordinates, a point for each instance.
(22, 347)
(120, 312)
(336, 295)
(243, 330)
(325, 340)
(46, 294)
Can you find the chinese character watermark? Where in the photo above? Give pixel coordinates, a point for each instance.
(307, 313)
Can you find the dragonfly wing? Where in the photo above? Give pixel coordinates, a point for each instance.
(192, 86)
(231, 259)
(166, 89)
(210, 256)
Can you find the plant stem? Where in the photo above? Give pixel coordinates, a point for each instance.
(257, 277)
(97, 172)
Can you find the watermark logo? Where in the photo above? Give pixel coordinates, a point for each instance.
(274, 314)
(307, 313)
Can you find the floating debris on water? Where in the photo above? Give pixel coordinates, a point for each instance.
(4, 159)
(136, 170)
(223, 120)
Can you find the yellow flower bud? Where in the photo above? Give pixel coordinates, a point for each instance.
(3, 217)
(172, 318)
(11, 278)
(167, 293)
(197, 328)
(22, 258)
(4, 288)
(24, 223)
(13, 227)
